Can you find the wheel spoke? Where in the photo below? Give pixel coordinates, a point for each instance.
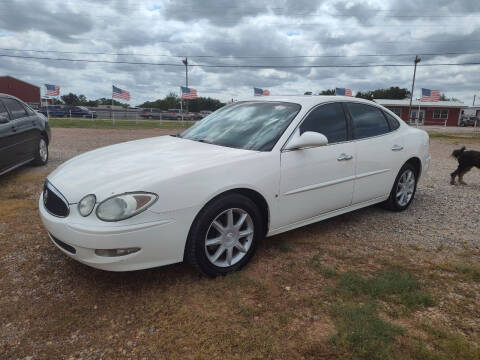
(219, 227)
(240, 221)
(230, 219)
(399, 193)
(215, 241)
(244, 233)
(240, 247)
(229, 256)
(218, 253)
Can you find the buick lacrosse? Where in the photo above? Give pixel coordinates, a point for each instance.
(251, 169)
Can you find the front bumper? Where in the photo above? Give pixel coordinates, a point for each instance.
(161, 239)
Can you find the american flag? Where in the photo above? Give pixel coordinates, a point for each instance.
(52, 90)
(260, 92)
(343, 91)
(430, 95)
(188, 93)
(120, 94)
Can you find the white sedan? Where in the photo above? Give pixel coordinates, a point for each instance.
(252, 169)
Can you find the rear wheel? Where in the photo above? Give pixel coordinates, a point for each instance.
(41, 153)
(403, 190)
(224, 235)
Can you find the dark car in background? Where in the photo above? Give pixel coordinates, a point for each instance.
(469, 121)
(24, 135)
(52, 111)
(79, 111)
(152, 113)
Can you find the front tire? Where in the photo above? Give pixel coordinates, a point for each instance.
(224, 235)
(404, 188)
(41, 152)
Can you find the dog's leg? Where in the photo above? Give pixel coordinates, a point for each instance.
(453, 174)
(460, 176)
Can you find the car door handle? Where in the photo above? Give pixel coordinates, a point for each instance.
(344, 157)
(397, 148)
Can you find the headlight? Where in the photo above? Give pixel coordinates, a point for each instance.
(121, 207)
(86, 205)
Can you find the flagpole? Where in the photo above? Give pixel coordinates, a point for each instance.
(111, 110)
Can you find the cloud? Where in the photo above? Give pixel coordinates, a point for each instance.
(221, 32)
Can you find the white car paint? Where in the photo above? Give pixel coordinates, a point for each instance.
(299, 186)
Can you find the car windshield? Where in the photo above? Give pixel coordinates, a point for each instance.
(245, 125)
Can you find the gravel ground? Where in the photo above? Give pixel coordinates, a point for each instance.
(277, 307)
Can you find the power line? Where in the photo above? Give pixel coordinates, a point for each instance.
(242, 56)
(240, 66)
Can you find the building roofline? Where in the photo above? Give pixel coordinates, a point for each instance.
(12, 77)
(417, 103)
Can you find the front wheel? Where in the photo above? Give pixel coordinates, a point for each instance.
(403, 190)
(41, 152)
(224, 235)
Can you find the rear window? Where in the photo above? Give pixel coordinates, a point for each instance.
(394, 123)
(16, 108)
(368, 121)
(3, 110)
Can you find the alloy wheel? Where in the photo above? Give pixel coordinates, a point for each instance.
(229, 237)
(405, 188)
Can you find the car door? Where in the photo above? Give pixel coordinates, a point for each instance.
(7, 140)
(318, 180)
(378, 149)
(24, 128)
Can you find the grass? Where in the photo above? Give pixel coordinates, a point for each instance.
(326, 271)
(395, 286)
(363, 333)
(119, 124)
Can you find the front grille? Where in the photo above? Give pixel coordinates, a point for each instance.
(54, 201)
(63, 245)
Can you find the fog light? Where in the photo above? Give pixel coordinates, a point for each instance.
(116, 252)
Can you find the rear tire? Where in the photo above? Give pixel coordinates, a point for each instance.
(41, 152)
(403, 190)
(224, 235)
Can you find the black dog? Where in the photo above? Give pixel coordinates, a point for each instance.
(466, 161)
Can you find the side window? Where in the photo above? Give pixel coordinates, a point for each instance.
(16, 109)
(3, 110)
(394, 124)
(329, 120)
(368, 121)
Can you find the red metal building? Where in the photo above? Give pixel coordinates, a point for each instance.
(24, 91)
(425, 113)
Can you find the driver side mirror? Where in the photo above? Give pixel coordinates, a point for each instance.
(3, 119)
(306, 140)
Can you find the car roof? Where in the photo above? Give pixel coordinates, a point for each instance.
(2, 95)
(309, 100)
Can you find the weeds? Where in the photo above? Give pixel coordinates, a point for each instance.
(363, 332)
(400, 287)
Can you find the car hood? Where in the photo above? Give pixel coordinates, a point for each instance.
(138, 166)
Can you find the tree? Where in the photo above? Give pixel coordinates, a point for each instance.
(70, 99)
(172, 101)
(393, 92)
(327, 92)
(444, 97)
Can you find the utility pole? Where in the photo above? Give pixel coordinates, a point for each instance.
(474, 96)
(185, 62)
(416, 61)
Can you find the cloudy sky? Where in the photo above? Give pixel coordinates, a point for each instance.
(249, 32)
